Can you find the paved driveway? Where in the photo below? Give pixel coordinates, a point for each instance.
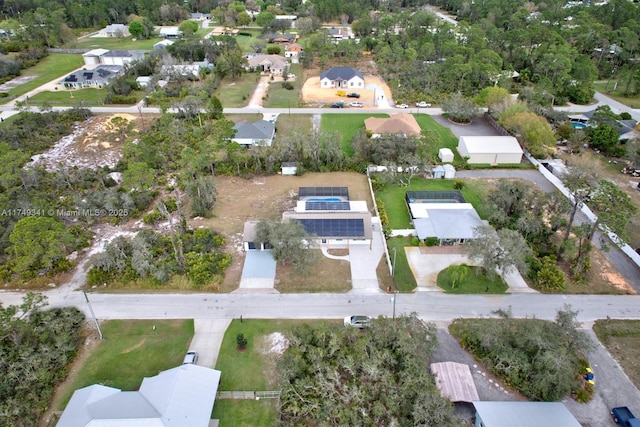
(258, 272)
(426, 263)
(207, 339)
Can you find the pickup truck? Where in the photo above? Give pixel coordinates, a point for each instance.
(623, 416)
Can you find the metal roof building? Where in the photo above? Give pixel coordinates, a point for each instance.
(523, 414)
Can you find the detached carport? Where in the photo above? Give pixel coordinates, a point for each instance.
(455, 382)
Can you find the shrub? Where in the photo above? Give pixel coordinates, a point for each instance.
(287, 85)
(458, 185)
(241, 341)
(120, 99)
(431, 241)
(152, 218)
(415, 241)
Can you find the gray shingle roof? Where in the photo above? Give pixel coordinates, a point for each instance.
(341, 73)
(261, 129)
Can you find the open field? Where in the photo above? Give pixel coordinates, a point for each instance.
(55, 65)
(67, 97)
(622, 340)
(237, 93)
(131, 350)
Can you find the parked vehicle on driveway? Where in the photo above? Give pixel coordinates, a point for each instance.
(423, 104)
(190, 358)
(339, 104)
(623, 416)
(356, 104)
(359, 322)
(402, 106)
(353, 95)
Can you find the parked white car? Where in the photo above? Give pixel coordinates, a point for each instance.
(423, 104)
(356, 104)
(402, 106)
(291, 76)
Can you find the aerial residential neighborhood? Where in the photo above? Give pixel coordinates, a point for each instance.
(313, 212)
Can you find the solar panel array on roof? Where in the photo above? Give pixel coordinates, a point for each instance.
(103, 73)
(87, 75)
(71, 78)
(323, 192)
(327, 206)
(334, 227)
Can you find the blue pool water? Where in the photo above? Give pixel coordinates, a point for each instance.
(578, 125)
(327, 199)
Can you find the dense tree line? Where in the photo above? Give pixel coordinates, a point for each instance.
(157, 257)
(37, 347)
(375, 377)
(545, 361)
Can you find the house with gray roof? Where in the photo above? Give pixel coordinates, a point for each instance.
(97, 78)
(258, 133)
(342, 77)
(445, 215)
(114, 30)
(523, 414)
(121, 57)
(178, 397)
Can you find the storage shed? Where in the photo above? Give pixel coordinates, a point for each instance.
(523, 414)
(289, 168)
(445, 155)
(493, 150)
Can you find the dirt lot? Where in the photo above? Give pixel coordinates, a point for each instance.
(266, 198)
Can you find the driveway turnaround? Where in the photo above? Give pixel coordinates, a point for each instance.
(207, 339)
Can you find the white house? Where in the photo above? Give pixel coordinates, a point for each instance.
(144, 81)
(169, 32)
(178, 397)
(114, 30)
(96, 78)
(258, 133)
(293, 51)
(342, 77)
(492, 150)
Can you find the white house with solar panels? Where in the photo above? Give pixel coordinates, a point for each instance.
(445, 215)
(326, 213)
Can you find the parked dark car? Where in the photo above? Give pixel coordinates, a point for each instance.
(353, 95)
(339, 104)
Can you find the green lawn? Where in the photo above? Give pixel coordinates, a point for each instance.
(113, 43)
(464, 279)
(347, 125)
(131, 350)
(445, 138)
(289, 123)
(246, 413)
(393, 197)
(606, 87)
(64, 97)
(236, 94)
(403, 277)
(244, 42)
(56, 65)
(279, 97)
(252, 369)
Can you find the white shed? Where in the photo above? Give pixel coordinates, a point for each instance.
(449, 171)
(493, 150)
(289, 168)
(445, 155)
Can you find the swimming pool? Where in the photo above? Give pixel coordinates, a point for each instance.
(578, 125)
(325, 199)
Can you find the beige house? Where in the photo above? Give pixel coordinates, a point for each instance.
(268, 64)
(401, 123)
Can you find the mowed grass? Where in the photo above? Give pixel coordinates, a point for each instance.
(279, 97)
(403, 278)
(54, 66)
(622, 340)
(287, 124)
(465, 279)
(347, 125)
(606, 87)
(445, 138)
(474, 192)
(114, 43)
(130, 351)
(326, 275)
(89, 96)
(254, 368)
(237, 93)
(246, 413)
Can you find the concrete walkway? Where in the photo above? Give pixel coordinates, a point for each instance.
(207, 339)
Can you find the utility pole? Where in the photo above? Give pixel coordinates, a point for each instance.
(93, 315)
(393, 300)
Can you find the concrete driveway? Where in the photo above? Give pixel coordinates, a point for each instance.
(258, 272)
(207, 339)
(427, 262)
